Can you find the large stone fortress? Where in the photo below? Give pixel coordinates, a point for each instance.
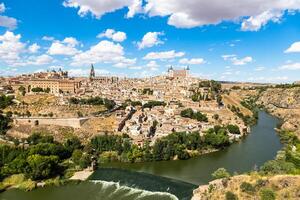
(54, 81)
(180, 73)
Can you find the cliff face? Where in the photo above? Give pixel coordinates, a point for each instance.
(282, 186)
(285, 104)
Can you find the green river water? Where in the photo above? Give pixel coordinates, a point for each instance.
(169, 179)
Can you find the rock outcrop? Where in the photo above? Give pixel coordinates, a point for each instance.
(285, 104)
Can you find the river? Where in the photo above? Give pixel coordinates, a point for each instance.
(166, 179)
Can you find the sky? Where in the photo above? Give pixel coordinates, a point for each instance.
(226, 40)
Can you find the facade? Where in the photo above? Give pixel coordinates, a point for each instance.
(55, 85)
(181, 73)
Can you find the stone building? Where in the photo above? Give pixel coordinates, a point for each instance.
(179, 73)
(56, 86)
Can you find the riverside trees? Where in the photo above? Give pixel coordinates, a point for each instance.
(180, 145)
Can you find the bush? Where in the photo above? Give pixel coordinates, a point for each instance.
(267, 194)
(277, 167)
(234, 129)
(247, 187)
(230, 196)
(220, 173)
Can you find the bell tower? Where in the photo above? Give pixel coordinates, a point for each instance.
(92, 72)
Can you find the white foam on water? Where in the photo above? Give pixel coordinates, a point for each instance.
(131, 191)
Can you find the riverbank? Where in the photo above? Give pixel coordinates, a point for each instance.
(82, 175)
(253, 186)
(251, 150)
(240, 157)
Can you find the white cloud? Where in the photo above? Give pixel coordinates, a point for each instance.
(5, 21)
(85, 72)
(254, 23)
(103, 52)
(66, 47)
(101, 7)
(290, 66)
(193, 61)
(237, 61)
(164, 55)
(71, 41)
(294, 48)
(125, 63)
(48, 38)
(10, 47)
(116, 36)
(192, 13)
(8, 22)
(41, 60)
(150, 39)
(2, 8)
(152, 65)
(34, 60)
(34, 48)
(135, 67)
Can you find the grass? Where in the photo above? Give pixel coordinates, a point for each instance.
(18, 181)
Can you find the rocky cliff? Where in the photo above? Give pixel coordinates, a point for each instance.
(285, 104)
(250, 187)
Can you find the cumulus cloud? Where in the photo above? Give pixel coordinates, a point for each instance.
(237, 61)
(34, 48)
(254, 23)
(193, 61)
(10, 47)
(103, 52)
(8, 22)
(43, 59)
(125, 63)
(294, 48)
(5, 21)
(48, 38)
(152, 65)
(150, 39)
(66, 47)
(193, 13)
(116, 36)
(164, 55)
(290, 66)
(100, 8)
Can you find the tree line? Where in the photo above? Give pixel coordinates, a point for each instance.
(109, 104)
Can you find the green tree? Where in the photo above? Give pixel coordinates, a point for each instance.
(42, 167)
(230, 196)
(267, 194)
(76, 156)
(234, 129)
(220, 173)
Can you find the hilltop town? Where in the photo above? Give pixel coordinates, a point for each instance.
(145, 108)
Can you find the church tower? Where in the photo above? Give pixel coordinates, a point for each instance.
(92, 73)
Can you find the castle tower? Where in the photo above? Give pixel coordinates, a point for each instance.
(92, 72)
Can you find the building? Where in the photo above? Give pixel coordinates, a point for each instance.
(51, 74)
(56, 86)
(180, 73)
(92, 73)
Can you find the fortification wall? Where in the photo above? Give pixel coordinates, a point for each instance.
(34, 121)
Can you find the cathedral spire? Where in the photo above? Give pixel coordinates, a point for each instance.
(92, 73)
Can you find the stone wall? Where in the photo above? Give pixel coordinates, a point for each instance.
(35, 121)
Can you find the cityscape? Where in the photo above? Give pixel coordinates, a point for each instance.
(123, 116)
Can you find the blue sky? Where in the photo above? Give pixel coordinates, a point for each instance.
(245, 41)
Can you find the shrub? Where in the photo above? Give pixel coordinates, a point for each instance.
(267, 194)
(220, 173)
(234, 129)
(247, 187)
(230, 196)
